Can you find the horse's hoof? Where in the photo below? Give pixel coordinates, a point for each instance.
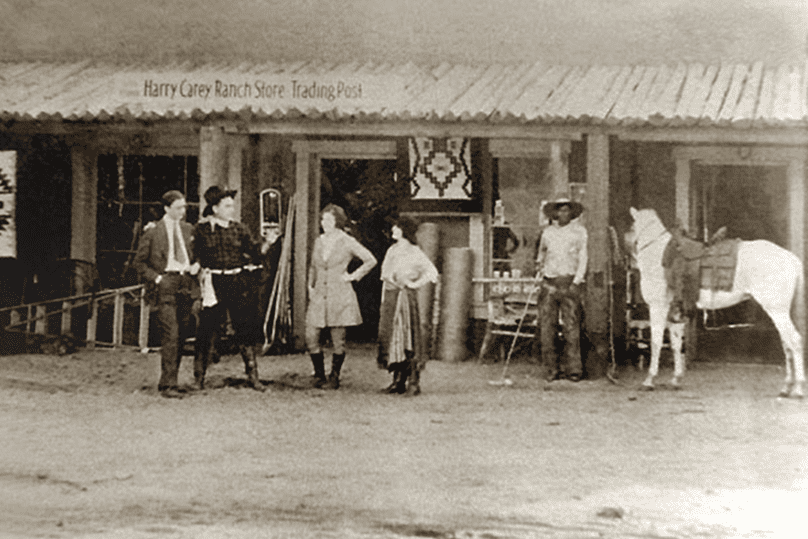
(783, 394)
(646, 387)
(796, 394)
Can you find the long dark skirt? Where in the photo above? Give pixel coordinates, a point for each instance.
(401, 346)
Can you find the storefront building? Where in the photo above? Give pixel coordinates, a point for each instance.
(95, 146)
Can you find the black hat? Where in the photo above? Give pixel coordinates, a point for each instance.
(576, 208)
(215, 194)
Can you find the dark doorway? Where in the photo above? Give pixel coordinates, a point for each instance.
(751, 201)
(368, 192)
(129, 191)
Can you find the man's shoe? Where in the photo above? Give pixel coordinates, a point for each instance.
(574, 377)
(172, 393)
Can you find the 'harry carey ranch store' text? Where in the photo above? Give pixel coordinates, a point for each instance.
(260, 89)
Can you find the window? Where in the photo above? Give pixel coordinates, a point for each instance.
(129, 191)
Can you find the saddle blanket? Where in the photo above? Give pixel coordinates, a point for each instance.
(691, 265)
(718, 265)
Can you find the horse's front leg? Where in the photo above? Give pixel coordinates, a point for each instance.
(788, 383)
(677, 336)
(657, 316)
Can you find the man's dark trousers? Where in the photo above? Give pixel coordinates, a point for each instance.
(174, 305)
(558, 299)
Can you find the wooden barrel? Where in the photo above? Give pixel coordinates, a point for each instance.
(458, 267)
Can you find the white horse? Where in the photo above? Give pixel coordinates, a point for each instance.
(765, 272)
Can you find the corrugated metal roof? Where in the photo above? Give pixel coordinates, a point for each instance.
(737, 95)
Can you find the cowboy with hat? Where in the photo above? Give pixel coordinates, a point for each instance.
(561, 260)
(551, 208)
(230, 260)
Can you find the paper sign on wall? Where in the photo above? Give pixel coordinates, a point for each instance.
(8, 189)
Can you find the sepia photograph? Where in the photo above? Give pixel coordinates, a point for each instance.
(398, 269)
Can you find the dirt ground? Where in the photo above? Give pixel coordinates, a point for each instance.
(89, 449)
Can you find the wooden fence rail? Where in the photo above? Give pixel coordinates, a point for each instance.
(33, 317)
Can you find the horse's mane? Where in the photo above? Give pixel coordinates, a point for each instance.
(648, 222)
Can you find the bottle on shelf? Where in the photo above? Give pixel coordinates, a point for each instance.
(499, 213)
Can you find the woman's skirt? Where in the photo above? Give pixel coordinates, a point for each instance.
(400, 328)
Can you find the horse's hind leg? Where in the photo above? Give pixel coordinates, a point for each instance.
(676, 332)
(657, 318)
(792, 347)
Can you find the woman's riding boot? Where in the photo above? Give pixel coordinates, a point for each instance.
(393, 387)
(336, 366)
(319, 370)
(415, 380)
(404, 373)
(251, 367)
(381, 360)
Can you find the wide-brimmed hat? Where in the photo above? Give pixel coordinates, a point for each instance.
(576, 208)
(215, 194)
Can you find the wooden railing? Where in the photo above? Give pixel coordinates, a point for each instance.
(33, 318)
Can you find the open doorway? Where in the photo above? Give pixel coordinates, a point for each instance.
(368, 191)
(752, 202)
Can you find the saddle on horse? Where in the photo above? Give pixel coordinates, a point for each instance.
(691, 266)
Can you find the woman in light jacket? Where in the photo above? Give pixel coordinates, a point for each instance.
(405, 269)
(332, 300)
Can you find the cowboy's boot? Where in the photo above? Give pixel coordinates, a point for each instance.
(205, 348)
(336, 366)
(251, 367)
(319, 370)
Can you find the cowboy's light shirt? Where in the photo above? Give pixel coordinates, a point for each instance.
(562, 251)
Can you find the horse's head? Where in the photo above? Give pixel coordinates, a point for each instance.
(647, 225)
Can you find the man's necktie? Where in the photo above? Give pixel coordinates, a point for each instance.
(179, 247)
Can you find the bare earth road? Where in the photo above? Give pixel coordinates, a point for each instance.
(88, 449)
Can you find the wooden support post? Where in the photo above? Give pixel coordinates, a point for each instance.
(117, 320)
(559, 167)
(597, 224)
(14, 318)
(683, 194)
(796, 232)
(213, 164)
(84, 209)
(67, 317)
(92, 323)
(143, 329)
(41, 322)
(301, 245)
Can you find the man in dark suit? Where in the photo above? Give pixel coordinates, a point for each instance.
(164, 261)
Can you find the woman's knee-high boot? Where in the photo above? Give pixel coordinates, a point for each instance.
(336, 366)
(319, 370)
